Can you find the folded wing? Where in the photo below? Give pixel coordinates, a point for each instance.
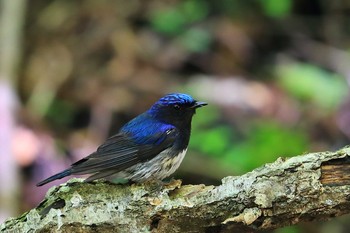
(121, 151)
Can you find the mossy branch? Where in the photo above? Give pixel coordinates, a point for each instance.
(308, 187)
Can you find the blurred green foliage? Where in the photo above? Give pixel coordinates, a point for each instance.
(211, 141)
(195, 40)
(276, 8)
(174, 20)
(290, 229)
(214, 142)
(180, 21)
(263, 141)
(60, 114)
(310, 83)
(169, 22)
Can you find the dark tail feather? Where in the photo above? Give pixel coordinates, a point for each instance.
(55, 177)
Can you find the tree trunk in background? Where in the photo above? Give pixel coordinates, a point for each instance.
(11, 29)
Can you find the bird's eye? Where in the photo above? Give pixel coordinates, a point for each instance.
(177, 107)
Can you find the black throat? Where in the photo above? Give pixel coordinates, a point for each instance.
(183, 139)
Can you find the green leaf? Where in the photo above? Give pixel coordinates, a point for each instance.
(196, 40)
(194, 10)
(310, 83)
(266, 141)
(168, 21)
(174, 20)
(212, 142)
(60, 113)
(289, 229)
(276, 8)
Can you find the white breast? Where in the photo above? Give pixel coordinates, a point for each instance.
(160, 167)
(175, 162)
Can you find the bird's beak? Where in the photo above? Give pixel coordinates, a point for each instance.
(199, 104)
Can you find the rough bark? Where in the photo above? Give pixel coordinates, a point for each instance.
(309, 187)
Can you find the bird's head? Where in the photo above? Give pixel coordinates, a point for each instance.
(176, 109)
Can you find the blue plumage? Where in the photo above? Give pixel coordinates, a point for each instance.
(150, 146)
(142, 128)
(172, 99)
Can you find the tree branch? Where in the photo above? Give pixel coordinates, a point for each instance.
(309, 187)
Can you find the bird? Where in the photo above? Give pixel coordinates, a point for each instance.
(149, 147)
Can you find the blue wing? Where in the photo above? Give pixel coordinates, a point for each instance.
(140, 140)
(136, 142)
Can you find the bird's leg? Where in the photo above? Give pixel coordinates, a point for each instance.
(152, 181)
(173, 183)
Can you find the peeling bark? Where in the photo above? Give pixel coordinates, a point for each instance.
(309, 187)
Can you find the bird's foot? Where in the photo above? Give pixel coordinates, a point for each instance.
(172, 184)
